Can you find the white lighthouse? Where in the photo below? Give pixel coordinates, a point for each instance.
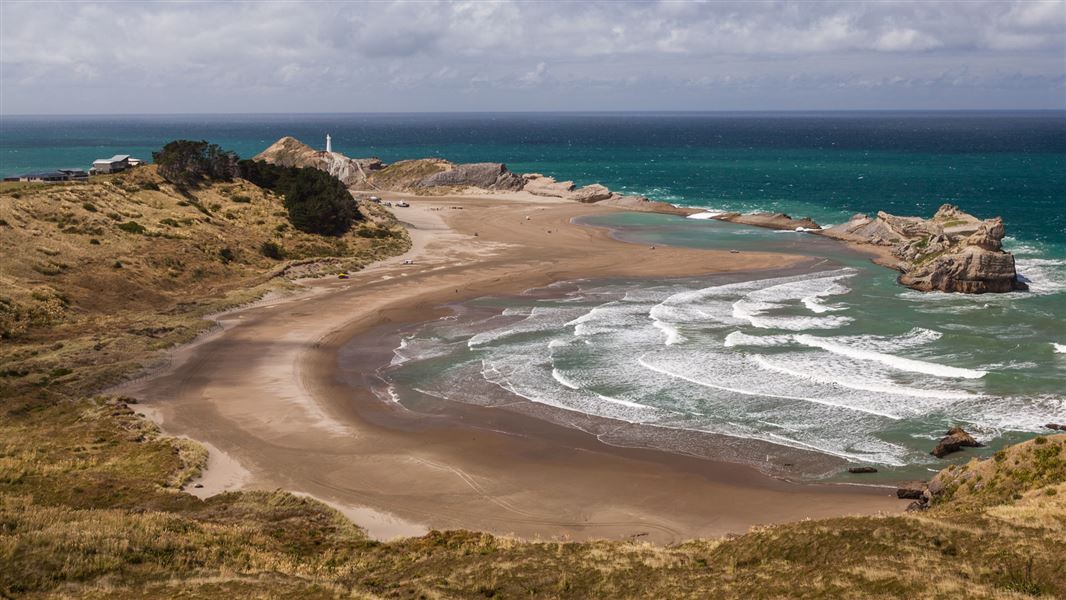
(329, 143)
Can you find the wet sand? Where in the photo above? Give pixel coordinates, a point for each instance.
(268, 391)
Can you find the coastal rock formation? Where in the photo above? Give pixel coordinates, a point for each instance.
(291, 152)
(770, 220)
(952, 252)
(642, 204)
(911, 490)
(859, 470)
(955, 440)
(540, 185)
(488, 176)
(592, 193)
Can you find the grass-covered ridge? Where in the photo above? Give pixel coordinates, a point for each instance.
(91, 504)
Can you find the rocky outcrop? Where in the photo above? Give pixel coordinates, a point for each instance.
(770, 220)
(911, 490)
(291, 152)
(955, 440)
(642, 204)
(952, 252)
(541, 185)
(860, 470)
(487, 176)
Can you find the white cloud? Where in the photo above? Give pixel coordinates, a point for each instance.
(216, 52)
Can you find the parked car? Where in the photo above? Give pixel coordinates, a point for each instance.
(402, 204)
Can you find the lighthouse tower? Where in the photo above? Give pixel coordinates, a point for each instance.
(329, 143)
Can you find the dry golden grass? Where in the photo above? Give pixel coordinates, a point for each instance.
(90, 492)
(403, 174)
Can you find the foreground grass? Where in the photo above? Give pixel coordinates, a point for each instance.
(91, 500)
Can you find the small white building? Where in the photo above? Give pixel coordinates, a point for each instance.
(118, 162)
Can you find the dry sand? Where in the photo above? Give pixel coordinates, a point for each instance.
(265, 392)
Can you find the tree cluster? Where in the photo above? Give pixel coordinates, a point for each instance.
(316, 201)
(188, 162)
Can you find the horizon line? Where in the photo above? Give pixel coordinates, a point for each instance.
(558, 112)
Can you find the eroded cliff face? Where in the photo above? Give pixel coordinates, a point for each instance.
(952, 252)
(291, 152)
(486, 176)
(429, 174)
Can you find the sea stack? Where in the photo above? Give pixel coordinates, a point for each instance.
(952, 252)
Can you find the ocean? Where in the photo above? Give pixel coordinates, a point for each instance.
(840, 361)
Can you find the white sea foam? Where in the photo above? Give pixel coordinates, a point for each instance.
(672, 333)
(564, 380)
(915, 338)
(1044, 275)
(704, 215)
(691, 378)
(541, 318)
(738, 338)
(621, 402)
(896, 362)
(755, 305)
(814, 304)
(703, 365)
(852, 380)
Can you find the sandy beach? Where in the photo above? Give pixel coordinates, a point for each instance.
(267, 394)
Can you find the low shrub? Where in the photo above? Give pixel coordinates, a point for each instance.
(132, 227)
(272, 250)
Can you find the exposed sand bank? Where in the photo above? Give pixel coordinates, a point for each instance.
(266, 391)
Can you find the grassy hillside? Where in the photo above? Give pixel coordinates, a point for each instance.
(97, 276)
(90, 492)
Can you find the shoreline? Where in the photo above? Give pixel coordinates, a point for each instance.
(373, 351)
(265, 391)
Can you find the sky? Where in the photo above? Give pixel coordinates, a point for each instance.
(238, 57)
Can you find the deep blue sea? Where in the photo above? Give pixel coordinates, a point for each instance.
(842, 361)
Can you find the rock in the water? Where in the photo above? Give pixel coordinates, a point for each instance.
(489, 176)
(862, 470)
(955, 440)
(952, 252)
(1056, 426)
(913, 490)
(779, 221)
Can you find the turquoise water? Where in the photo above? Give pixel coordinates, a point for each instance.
(842, 361)
(827, 165)
(838, 359)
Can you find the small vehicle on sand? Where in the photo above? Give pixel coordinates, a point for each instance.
(402, 204)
